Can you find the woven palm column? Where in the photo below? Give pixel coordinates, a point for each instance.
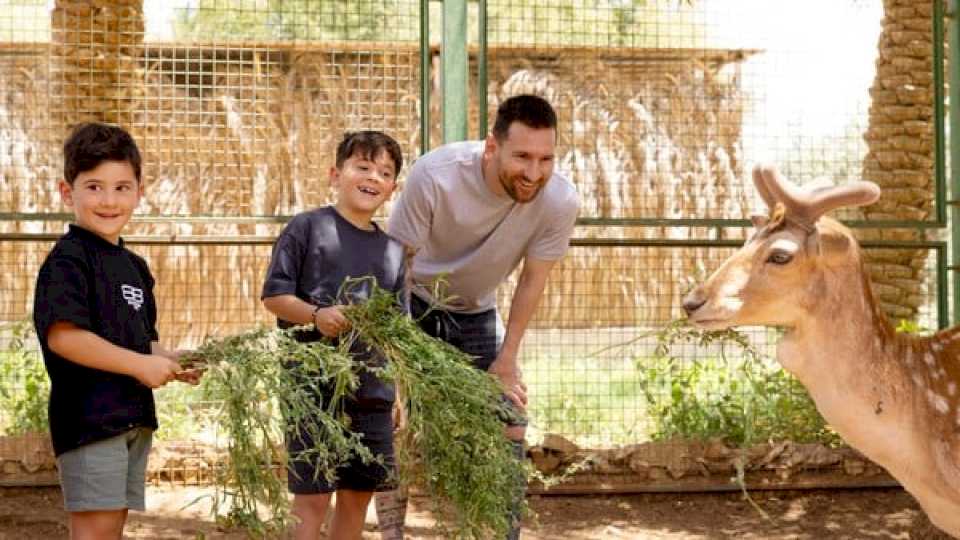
(900, 142)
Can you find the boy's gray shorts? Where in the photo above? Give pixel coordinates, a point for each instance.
(108, 474)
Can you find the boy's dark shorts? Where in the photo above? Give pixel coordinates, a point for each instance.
(476, 334)
(377, 429)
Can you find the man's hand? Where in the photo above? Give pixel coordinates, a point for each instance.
(510, 377)
(330, 321)
(155, 370)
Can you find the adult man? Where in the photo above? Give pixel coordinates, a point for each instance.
(470, 213)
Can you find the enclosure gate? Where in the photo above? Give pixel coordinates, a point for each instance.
(663, 105)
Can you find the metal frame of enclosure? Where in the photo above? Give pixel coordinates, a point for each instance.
(663, 105)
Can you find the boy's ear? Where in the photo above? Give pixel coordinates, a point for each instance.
(66, 192)
(334, 176)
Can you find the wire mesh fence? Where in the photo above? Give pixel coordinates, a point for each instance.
(237, 107)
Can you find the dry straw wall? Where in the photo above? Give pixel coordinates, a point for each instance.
(256, 137)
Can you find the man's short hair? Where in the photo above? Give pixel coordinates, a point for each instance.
(531, 111)
(92, 143)
(368, 145)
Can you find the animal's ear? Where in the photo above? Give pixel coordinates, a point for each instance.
(832, 246)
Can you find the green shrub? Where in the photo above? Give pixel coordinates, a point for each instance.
(738, 395)
(24, 385)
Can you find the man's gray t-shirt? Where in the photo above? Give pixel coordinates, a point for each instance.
(472, 237)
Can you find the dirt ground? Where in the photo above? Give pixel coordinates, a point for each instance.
(28, 513)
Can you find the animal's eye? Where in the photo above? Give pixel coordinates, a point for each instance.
(779, 257)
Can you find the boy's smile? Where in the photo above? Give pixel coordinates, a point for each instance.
(103, 198)
(374, 192)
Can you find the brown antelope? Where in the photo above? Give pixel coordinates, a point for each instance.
(891, 396)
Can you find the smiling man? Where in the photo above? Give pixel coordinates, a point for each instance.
(469, 215)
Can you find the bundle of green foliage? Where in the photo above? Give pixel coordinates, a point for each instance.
(259, 394)
(453, 446)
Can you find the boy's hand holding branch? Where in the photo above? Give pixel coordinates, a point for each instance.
(155, 370)
(330, 321)
(188, 364)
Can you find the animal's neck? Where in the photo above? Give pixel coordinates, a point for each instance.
(850, 359)
(844, 333)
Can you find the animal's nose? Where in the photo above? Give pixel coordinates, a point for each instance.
(693, 302)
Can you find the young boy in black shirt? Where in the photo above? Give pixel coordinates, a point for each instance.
(313, 256)
(95, 317)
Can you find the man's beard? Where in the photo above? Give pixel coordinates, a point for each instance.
(510, 186)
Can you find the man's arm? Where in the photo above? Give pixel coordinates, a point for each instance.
(526, 298)
(411, 217)
(88, 349)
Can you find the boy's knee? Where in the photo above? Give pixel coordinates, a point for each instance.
(353, 500)
(313, 504)
(97, 524)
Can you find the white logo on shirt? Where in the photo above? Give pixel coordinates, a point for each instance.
(132, 295)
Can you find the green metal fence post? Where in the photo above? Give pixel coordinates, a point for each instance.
(482, 68)
(425, 61)
(953, 16)
(939, 154)
(453, 76)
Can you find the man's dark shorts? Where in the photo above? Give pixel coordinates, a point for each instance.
(476, 334)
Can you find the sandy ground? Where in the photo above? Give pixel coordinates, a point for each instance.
(28, 513)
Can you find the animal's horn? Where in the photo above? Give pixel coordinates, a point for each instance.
(762, 189)
(809, 206)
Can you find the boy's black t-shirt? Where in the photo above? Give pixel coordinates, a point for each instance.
(312, 258)
(108, 290)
